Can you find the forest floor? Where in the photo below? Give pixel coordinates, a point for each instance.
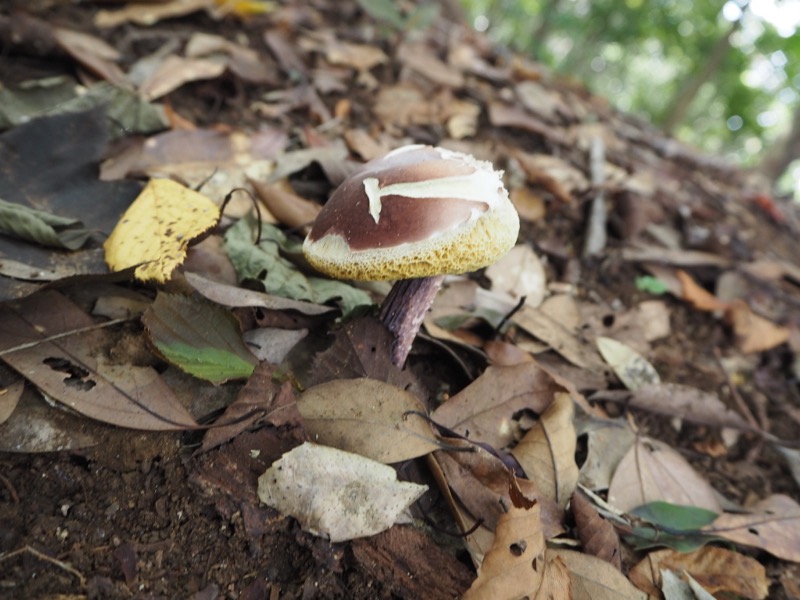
(699, 274)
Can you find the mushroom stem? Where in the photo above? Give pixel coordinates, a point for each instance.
(403, 311)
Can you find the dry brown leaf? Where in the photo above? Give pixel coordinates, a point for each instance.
(261, 400)
(290, 209)
(691, 404)
(547, 452)
(483, 411)
(479, 481)
(753, 332)
(553, 174)
(675, 256)
(559, 338)
(598, 537)
(361, 57)
(9, 397)
(697, 295)
(774, 526)
(230, 295)
(519, 274)
(633, 369)
(93, 53)
(652, 470)
(505, 354)
(176, 71)
(70, 369)
(608, 440)
(422, 59)
(513, 567)
(367, 417)
(529, 204)
(148, 13)
(556, 582)
(718, 570)
(595, 579)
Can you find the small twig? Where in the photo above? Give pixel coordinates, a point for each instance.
(508, 315)
(42, 556)
(11, 489)
(596, 234)
(740, 403)
(63, 335)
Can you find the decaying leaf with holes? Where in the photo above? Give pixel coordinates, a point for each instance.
(157, 228)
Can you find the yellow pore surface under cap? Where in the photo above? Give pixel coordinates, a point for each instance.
(468, 247)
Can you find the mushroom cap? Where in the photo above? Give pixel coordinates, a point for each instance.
(419, 211)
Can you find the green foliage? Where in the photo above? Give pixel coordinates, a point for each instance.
(639, 54)
(266, 263)
(671, 525)
(653, 285)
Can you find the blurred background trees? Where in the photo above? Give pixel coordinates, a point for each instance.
(722, 76)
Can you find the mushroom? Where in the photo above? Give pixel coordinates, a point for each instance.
(415, 215)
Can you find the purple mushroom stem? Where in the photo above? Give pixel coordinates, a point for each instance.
(404, 309)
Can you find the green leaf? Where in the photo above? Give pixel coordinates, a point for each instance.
(672, 525)
(676, 517)
(198, 337)
(653, 285)
(385, 11)
(264, 263)
(41, 227)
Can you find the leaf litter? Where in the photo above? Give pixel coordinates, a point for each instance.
(485, 425)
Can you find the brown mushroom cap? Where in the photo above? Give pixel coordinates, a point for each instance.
(419, 211)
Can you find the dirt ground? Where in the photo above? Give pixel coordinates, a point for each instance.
(146, 515)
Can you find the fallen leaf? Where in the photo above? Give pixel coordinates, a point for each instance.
(367, 417)
(559, 338)
(29, 224)
(718, 570)
(754, 333)
(266, 264)
(230, 295)
(199, 337)
(608, 441)
(547, 452)
(595, 579)
(484, 410)
(598, 537)
(290, 209)
(514, 565)
(262, 399)
(698, 296)
(147, 13)
(773, 525)
(70, 369)
(9, 397)
(479, 480)
(93, 53)
(651, 470)
(633, 370)
(689, 403)
(336, 494)
(671, 525)
(50, 164)
(176, 71)
(519, 274)
(157, 228)
(35, 427)
(675, 588)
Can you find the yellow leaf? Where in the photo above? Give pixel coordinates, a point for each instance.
(157, 228)
(245, 8)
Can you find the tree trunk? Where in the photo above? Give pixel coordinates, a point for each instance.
(783, 152)
(683, 98)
